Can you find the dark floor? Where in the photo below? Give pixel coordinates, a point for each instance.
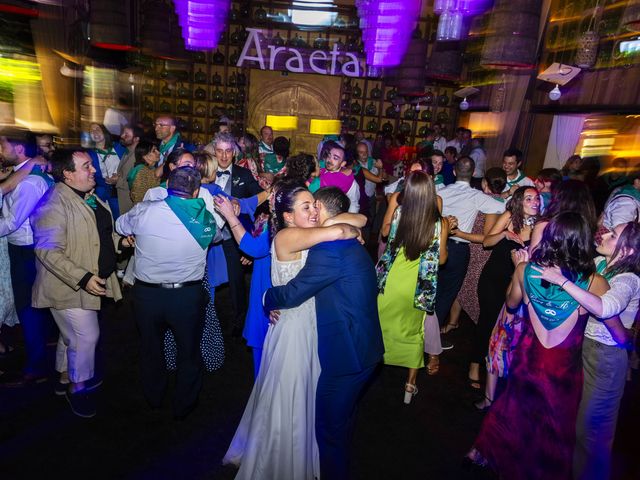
(40, 437)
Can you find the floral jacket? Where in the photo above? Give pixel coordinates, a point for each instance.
(425, 295)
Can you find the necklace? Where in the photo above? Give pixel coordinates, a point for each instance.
(529, 221)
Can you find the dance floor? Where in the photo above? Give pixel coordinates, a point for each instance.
(40, 437)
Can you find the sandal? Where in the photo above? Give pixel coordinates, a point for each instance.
(483, 404)
(410, 391)
(449, 327)
(433, 365)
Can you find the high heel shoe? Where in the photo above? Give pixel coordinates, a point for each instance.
(449, 327)
(410, 391)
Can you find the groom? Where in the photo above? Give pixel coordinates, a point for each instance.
(341, 276)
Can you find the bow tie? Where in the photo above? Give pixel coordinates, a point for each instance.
(223, 172)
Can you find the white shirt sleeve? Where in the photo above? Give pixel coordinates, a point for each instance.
(487, 204)
(354, 196)
(623, 289)
(155, 193)
(18, 207)
(126, 223)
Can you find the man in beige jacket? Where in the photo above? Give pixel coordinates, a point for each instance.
(75, 246)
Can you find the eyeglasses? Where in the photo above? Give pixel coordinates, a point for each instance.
(220, 152)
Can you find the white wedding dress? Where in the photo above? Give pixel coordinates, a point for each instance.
(276, 436)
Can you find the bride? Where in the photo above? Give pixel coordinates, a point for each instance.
(276, 436)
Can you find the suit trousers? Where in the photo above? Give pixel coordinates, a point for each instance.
(181, 310)
(237, 287)
(605, 374)
(450, 278)
(34, 321)
(336, 400)
(79, 333)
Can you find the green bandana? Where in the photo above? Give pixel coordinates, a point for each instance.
(550, 302)
(519, 178)
(91, 201)
(37, 171)
(438, 179)
(194, 215)
(271, 163)
(164, 147)
(131, 177)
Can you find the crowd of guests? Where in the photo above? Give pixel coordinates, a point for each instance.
(546, 268)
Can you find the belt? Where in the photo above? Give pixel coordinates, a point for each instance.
(458, 242)
(168, 285)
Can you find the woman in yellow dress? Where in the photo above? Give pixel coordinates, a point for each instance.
(408, 274)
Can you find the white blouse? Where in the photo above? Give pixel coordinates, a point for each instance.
(622, 299)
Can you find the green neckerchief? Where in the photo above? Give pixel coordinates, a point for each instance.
(91, 201)
(265, 148)
(164, 147)
(438, 179)
(37, 171)
(552, 304)
(194, 215)
(520, 177)
(131, 176)
(163, 184)
(357, 165)
(106, 153)
(628, 191)
(601, 267)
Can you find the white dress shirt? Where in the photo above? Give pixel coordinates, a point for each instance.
(440, 143)
(165, 251)
(222, 180)
(464, 202)
(620, 209)
(18, 205)
(160, 193)
(454, 143)
(480, 159)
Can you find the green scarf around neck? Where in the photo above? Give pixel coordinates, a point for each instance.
(194, 215)
(38, 172)
(519, 178)
(550, 302)
(164, 147)
(131, 176)
(438, 179)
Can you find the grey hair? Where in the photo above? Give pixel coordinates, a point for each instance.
(225, 137)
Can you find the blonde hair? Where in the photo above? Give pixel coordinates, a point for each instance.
(206, 163)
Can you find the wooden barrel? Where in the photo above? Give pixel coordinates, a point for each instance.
(409, 76)
(108, 23)
(445, 62)
(156, 27)
(512, 39)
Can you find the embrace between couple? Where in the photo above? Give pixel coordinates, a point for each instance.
(323, 349)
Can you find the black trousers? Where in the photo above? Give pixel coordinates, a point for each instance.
(181, 310)
(450, 278)
(34, 321)
(237, 287)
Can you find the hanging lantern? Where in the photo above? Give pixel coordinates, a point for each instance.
(631, 16)
(587, 51)
(202, 22)
(449, 26)
(499, 96)
(441, 6)
(445, 62)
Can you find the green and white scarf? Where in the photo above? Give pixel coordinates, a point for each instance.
(194, 215)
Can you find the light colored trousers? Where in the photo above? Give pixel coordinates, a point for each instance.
(79, 333)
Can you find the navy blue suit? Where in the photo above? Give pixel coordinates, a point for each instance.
(341, 277)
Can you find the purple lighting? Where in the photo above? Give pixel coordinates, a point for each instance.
(386, 29)
(202, 22)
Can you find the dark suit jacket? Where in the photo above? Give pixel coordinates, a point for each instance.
(243, 185)
(341, 276)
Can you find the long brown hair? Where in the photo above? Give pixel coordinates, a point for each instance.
(419, 215)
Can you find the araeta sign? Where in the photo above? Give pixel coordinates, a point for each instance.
(296, 60)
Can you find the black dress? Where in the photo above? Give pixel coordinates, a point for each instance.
(492, 288)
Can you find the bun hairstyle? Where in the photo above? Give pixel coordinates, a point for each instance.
(283, 197)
